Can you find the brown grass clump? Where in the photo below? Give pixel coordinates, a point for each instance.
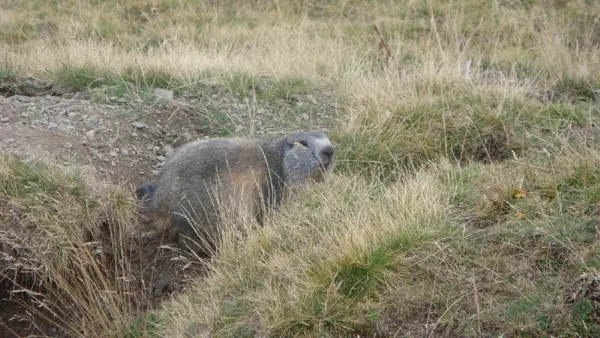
(65, 242)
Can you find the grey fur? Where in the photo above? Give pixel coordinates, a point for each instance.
(184, 191)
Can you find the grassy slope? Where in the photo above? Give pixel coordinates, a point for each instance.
(426, 227)
(64, 240)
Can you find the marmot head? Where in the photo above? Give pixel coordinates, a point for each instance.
(309, 153)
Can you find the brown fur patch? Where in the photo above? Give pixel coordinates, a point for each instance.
(245, 190)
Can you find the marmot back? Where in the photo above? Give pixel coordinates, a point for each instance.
(249, 176)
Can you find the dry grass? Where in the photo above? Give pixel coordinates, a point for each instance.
(65, 246)
(420, 232)
(441, 251)
(310, 271)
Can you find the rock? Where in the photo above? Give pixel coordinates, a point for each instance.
(163, 93)
(93, 119)
(4, 119)
(91, 135)
(24, 114)
(161, 158)
(311, 99)
(238, 128)
(156, 150)
(139, 125)
(71, 114)
(260, 111)
(52, 125)
(124, 152)
(305, 117)
(168, 150)
(113, 153)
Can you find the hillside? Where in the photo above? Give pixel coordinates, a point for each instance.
(465, 202)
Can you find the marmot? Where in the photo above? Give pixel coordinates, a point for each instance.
(254, 174)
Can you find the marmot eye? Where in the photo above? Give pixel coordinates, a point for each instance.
(304, 143)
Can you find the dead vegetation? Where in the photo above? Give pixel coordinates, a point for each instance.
(73, 251)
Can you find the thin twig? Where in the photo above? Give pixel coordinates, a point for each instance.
(383, 45)
(476, 300)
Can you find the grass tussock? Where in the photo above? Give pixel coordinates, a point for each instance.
(65, 245)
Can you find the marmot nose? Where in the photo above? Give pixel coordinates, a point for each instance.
(327, 152)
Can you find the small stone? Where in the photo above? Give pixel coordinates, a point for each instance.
(84, 142)
(163, 93)
(139, 125)
(52, 125)
(260, 111)
(305, 117)
(124, 152)
(21, 98)
(4, 119)
(311, 99)
(161, 158)
(91, 135)
(24, 114)
(168, 150)
(93, 119)
(238, 128)
(113, 153)
(156, 149)
(68, 145)
(71, 114)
